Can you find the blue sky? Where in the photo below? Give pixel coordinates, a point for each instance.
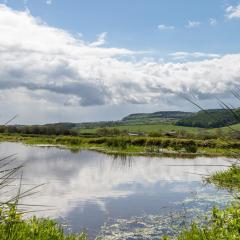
(102, 59)
(134, 24)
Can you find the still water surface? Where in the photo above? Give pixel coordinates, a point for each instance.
(120, 198)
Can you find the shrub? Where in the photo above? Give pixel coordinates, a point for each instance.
(139, 141)
(191, 147)
(154, 142)
(156, 134)
(97, 141)
(118, 142)
(75, 141)
(166, 143)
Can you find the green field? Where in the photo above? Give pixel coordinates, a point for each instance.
(164, 128)
(146, 128)
(235, 127)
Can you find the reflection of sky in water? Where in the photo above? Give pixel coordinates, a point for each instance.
(89, 188)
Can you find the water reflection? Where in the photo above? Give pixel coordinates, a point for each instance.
(88, 188)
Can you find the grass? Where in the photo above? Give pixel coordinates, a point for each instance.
(223, 225)
(146, 128)
(138, 145)
(229, 179)
(12, 227)
(163, 128)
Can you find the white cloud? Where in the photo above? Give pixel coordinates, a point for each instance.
(49, 2)
(233, 11)
(163, 27)
(212, 22)
(49, 66)
(101, 40)
(193, 24)
(190, 55)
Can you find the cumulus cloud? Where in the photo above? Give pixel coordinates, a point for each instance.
(212, 22)
(233, 11)
(193, 24)
(51, 65)
(164, 27)
(190, 55)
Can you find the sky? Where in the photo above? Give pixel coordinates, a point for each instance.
(78, 61)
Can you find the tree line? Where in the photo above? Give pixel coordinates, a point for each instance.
(37, 130)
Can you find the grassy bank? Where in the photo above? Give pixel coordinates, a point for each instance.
(134, 144)
(222, 225)
(12, 227)
(229, 179)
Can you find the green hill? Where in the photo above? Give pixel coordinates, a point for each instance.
(156, 117)
(146, 122)
(212, 118)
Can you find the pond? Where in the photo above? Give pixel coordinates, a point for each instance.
(118, 197)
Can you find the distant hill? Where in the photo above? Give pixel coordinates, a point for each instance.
(138, 118)
(156, 117)
(99, 124)
(212, 118)
(65, 125)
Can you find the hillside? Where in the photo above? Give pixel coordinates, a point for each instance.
(156, 117)
(162, 120)
(138, 118)
(212, 118)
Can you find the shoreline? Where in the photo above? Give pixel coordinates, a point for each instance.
(72, 144)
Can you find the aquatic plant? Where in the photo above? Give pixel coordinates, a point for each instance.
(222, 225)
(228, 179)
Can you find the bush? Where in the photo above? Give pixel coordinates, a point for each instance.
(156, 134)
(75, 141)
(154, 142)
(118, 142)
(191, 147)
(139, 141)
(97, 141)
